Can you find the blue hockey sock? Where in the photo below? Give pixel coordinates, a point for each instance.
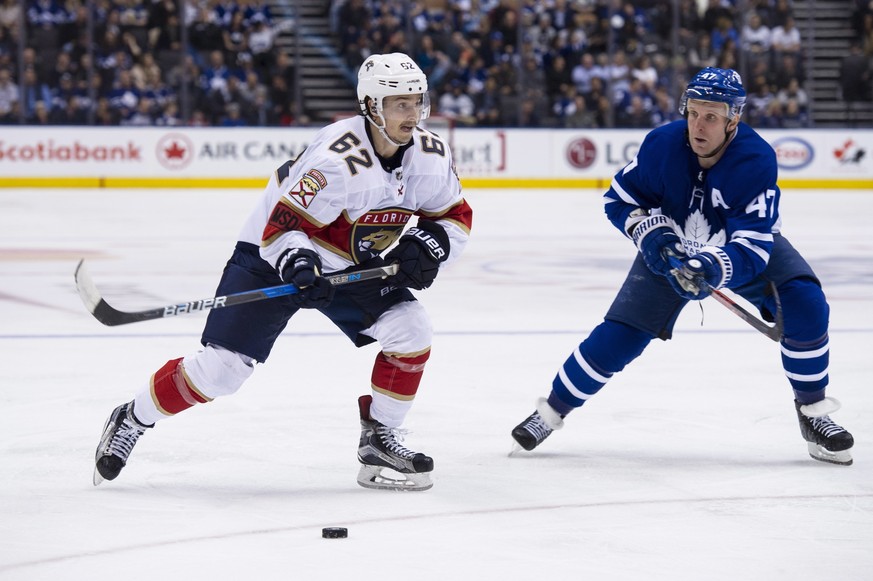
(606, 351)
(805, 350)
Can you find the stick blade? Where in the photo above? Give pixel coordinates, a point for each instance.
(85, 285)
(91, 296)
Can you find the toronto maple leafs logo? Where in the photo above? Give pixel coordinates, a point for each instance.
(697, 233)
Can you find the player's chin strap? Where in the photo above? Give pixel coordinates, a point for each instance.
(381, 129)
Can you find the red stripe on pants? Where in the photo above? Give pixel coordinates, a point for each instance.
(399, 375)
(171, 391)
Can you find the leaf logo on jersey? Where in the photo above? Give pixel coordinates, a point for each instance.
(308, 187)
(698, 233)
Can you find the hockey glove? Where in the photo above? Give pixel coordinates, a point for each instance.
(657, 240)
(302, 268)
(418, 255)
(694, 277)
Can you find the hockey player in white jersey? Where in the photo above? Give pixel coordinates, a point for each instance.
(336, 208)
(701, 204)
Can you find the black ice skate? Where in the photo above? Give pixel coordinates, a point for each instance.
(120, 434)
(538, 426)
(826, 440)
(385, 463)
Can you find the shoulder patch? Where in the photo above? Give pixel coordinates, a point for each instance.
(312, 182)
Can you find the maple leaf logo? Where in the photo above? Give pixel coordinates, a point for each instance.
(697, 233)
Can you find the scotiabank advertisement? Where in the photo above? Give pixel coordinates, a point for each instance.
(179, 157)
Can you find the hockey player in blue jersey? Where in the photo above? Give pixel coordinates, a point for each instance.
(701, 204)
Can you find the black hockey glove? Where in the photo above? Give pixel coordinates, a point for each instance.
(302, 268)
(418, 254)
(657, 240)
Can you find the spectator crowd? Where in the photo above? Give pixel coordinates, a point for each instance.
(126, 64)
(513, 63)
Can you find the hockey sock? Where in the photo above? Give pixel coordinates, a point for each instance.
(172, 391)
(606, 351)
(806, 366)
(395, 382)
(805, 350)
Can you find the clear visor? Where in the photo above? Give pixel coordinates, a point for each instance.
(412, 107)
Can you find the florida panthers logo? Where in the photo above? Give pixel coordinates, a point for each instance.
(376, 230)
(378, 241)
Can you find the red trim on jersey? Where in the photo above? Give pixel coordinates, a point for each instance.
(170, 390)
(336, 235)
(399, 375)
(285, 218)
(461, 214)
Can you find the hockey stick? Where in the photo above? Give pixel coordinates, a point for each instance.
(110, 316)
(773, 331)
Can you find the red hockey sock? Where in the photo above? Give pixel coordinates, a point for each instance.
(399, 376)
(172, 391)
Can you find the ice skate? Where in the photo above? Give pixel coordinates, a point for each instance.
(385, 463)
(538, 426)
(827, 441)
(120, 434)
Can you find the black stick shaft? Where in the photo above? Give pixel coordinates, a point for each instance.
(110, 316)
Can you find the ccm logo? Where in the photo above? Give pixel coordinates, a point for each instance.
(793, 152)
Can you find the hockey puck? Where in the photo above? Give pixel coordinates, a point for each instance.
(334, 533)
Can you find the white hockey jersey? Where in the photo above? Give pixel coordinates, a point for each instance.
(338, 200)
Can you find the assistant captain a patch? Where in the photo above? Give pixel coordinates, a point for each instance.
(308, 187)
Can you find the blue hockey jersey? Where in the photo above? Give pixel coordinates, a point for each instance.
(730, 210)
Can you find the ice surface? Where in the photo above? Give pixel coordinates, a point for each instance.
(688, 466)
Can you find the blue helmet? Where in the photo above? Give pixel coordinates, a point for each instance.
(717, 85)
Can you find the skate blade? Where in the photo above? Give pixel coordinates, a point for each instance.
(97, 479)
(381, 478)
(842, 457)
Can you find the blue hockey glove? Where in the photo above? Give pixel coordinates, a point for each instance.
(302, 268)
(418, 255)
(656, 239)
(694, 277)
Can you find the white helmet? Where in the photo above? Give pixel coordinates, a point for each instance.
(387, 75)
